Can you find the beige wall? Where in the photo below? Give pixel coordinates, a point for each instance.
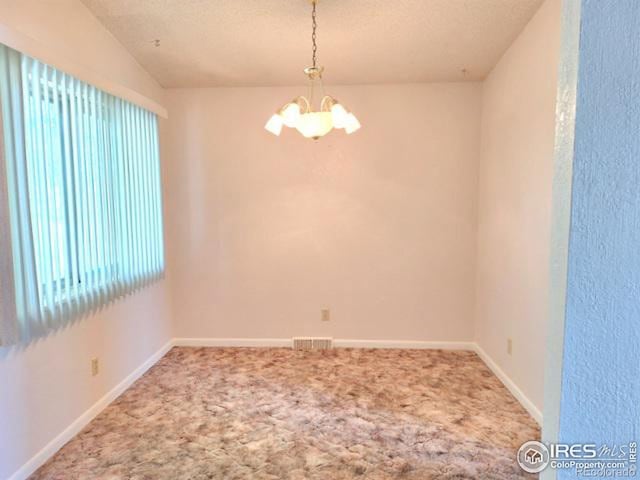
(378, 226)
(47, 385)
(514, 198)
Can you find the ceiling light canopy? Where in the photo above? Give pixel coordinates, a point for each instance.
(300, 113)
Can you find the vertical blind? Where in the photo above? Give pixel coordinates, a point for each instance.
(83, 193)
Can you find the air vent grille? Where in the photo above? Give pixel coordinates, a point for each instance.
(312, 343)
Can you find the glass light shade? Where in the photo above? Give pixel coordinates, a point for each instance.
(339, 115)
(290, 114)
(274, 125)
(314, 124)
(352, 124)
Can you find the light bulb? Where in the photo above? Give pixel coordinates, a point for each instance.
(290, 114)
(339, 115)
(314, 124)
(274, 125)
(352, 124)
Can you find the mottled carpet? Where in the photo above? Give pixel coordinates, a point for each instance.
(224, 413)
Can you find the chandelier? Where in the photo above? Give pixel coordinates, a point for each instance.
(300, 113)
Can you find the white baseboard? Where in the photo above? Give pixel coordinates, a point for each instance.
(511, 386)
(232, 342)
(72, 430)
(337, 342)
(406, 344)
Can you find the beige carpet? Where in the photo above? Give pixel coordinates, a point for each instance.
(222, 413)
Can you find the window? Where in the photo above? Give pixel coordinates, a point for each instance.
(83, 192)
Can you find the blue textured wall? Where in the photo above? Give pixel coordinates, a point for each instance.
(601, 374)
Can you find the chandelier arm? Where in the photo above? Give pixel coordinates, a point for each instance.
(326, 103)
(304, 100)
(324, 94)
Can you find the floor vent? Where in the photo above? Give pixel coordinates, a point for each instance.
(312, 343)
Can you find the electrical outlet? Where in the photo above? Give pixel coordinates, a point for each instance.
(325, 315)
(95, 367)
(509, 346)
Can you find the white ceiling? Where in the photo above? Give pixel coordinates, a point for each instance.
(268, 42)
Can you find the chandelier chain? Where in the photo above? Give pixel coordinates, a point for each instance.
(313, 34)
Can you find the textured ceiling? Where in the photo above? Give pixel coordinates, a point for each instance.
(268, 42)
